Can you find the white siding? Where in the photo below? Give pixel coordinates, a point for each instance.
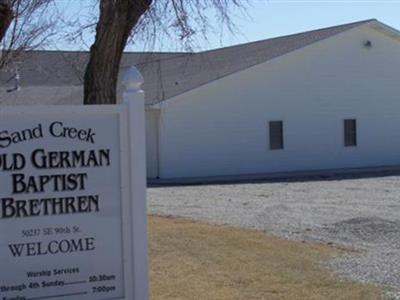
(222, 127)
(152, 143)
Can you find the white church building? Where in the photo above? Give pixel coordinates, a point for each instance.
(320, 100)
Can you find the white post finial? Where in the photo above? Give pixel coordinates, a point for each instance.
(132, 80)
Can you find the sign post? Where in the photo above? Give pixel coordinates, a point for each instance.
(72, 201)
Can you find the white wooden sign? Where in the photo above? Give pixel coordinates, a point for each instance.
(72, 203)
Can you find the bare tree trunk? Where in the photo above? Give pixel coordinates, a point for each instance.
(6, 16)
(116, 21)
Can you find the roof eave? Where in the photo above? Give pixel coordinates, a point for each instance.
(390, 31)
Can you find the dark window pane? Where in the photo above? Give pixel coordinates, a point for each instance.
(275, 135)
(350, 132)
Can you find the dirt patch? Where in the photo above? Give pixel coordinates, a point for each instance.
(366, 230)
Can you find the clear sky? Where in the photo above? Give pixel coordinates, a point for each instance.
(271, 18)
(281, 17)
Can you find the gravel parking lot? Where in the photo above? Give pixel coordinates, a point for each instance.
(361, 213)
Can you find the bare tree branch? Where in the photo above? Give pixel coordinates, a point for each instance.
(6, 16)
(30, 27)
